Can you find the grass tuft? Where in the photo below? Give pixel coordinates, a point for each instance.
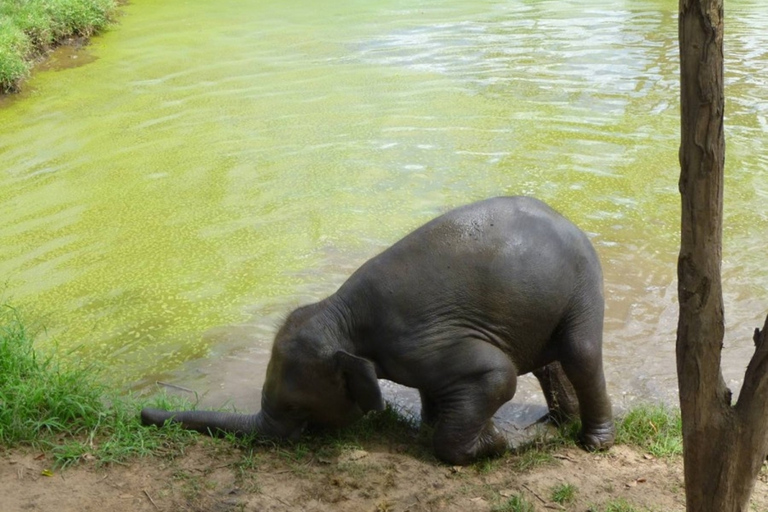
(14, 46)
(38, 396)
(619, 505)
(66, 410)
(655, 428)
(538, 451)
(533, 456)
(516, 503)
(563, 493)
(389, 424)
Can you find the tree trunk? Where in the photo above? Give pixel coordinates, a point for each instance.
(724, 445)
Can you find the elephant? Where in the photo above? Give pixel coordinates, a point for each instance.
(457, 309)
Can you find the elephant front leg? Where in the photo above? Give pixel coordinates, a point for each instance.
(463, 442)
(464, 430)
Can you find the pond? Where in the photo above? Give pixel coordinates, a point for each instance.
(172, 191)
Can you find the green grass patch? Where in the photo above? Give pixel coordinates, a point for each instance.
(390, 426)
(619, 505)
(65, 410)
(563, 493)
(655, 428)
(38, 396)
(516, 503)
(538, 451)
(29, 27)
(14, 47)
(532, 457)
(487, 465)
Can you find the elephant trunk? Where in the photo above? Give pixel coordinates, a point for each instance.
(216, 423)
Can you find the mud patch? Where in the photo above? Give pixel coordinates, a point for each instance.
(71, 53)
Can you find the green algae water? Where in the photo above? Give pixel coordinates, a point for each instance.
(172, 191)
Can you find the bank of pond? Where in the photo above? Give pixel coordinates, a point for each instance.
(30, 28)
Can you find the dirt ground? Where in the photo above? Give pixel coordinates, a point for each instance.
(214, 476)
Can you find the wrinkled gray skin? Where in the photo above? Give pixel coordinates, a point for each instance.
(457, 309)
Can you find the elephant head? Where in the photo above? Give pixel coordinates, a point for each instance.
(310, 379)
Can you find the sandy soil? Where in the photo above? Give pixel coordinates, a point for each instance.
(214, 476)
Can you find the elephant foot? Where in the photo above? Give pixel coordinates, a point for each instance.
(598, 438)
(489, 443)
(492, 442)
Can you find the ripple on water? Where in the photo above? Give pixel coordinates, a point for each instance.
(211, 170)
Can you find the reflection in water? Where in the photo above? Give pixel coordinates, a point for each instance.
(210, 170)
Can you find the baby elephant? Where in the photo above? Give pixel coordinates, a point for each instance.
(457, 309)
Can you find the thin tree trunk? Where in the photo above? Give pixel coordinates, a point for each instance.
(724, 445)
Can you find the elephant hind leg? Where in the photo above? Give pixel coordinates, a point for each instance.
(582, 361)
(561, 397)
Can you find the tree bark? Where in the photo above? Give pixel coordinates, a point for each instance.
(724, 445)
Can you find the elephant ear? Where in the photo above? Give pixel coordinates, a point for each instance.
(362, 383)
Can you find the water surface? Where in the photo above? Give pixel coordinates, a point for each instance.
(213, 165)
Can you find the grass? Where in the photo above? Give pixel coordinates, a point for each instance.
(533, 456)
(563, 493)
(619, 505)
(516, 503)
(487, 465)
(65, 410)
(390, 425)
(30, 27)
(654, 428)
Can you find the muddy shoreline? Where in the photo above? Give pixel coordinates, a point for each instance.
(214, 476)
